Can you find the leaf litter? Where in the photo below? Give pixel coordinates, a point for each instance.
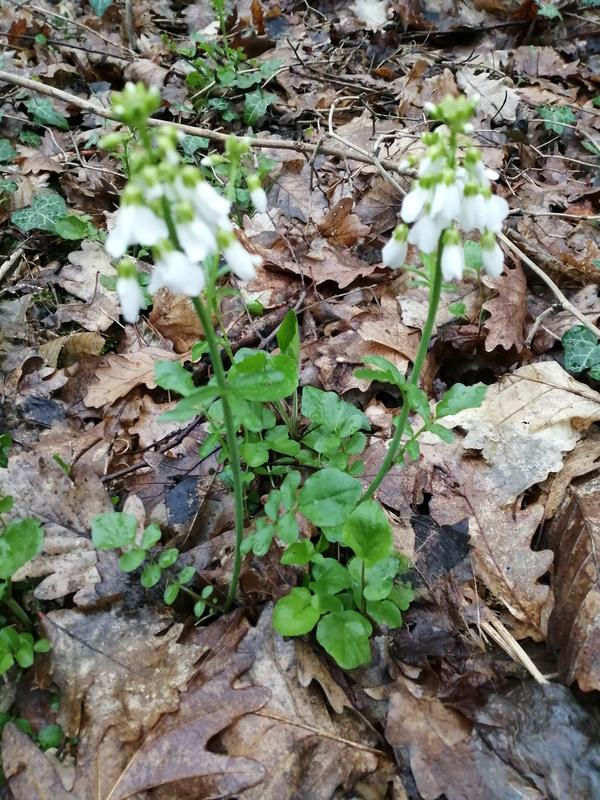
(502, 524)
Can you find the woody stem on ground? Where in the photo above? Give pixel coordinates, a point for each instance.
(232, 444)
(435, 290)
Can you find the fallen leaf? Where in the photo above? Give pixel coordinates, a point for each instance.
(340, 226)
(311, 667)
(505, 326)
(79, 344)
(585, 458)
(146, 71)
(498, 99)
(81, 278)
(383, 326)
(174, 317)
(574, 630)
(119, 374)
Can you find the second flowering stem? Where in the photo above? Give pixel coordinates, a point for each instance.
(232, 444)
(435, 291)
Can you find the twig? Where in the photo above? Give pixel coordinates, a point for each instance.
(496, 631)
(214, 136)
(538, 321)
(128, 25)
(564, 302)
(11, 262)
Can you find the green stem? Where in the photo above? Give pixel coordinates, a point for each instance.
(435, 290)
(15, 608)
(232, 444)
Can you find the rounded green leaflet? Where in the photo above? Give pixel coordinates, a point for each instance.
(385, 613)
(345, 636)
(294, 615)
(50, 736)
(132, 559)
(369, 533)
(20, 542)
(328, 496)
(150, 576)
(114, 529)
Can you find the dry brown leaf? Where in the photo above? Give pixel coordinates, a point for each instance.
(556, 324)
(542, 61)
(340, 226)
(507, 309)
(414, 304)
(149, 428)
(384, 327)
(311, 667)
(33, 161)
(121, 373)
(81, 279)
(583, 459)
(75, 344)
(497, 97)
(146, 71)
(526, 424)
(302, 748)
(65, 506)
(574, 629)
(174, 317)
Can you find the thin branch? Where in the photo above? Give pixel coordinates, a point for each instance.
(214, 136)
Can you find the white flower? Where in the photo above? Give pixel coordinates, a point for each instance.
(175, 271)
(393, 253)
(493, 260)
(414, 203)
(259, 199)
(212, 207)
(471, 214)
(484, 174)
(453, 262)
(240, 261)
(431, 166)
(425, 234)
(131, 297)
(495, 211)
(447, 201)
(196, 239)
(135, 224)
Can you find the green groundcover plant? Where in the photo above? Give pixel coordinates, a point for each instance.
(306, 445)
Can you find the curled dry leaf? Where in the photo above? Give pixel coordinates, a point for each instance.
(79, 344)
(574, 630)
(174, 317)
(119, 374)
(505, 326)
(585, 458)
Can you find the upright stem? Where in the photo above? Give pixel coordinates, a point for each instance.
(435, 290)
(15, 608)
(234, 456)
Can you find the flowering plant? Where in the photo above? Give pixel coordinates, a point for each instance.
(306, 446)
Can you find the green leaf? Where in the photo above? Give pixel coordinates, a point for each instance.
(114, 529)
(459, 397)
(50, 736)
(168, 557)
(473, 259)
(288, 337)
(6, 503)
(369, 533)
(173, 376)
(458, 309)
(132, 559)
(198, 350)
(191, 406)
(549, 11)
(445, 434)
(7, 151)
(186, 575)
(345, 636)
(7, 186)
(287, 528)
(171, 593)
(199, 608)
(150, 576)
(330, 577)
(72, 227)
(402, 595)
(294, 615)
(417, 400)
(299, 553)
(42, 646)
(5, 445)
(6, 662)
(30, 138)
(45, 210)
(384, 371)
(24, 656)
(385, 613)
(328, 496)
(99, 7)
(326, 409)
(191, 144)
(556, 117)
(19, 543)
(256, 104)
(581, 349)
(151, 536)
(254, 454)
(262, 377)
(43, 112)
(378, 578)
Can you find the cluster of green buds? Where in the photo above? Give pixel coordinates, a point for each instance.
(171, 208)
(452, 191)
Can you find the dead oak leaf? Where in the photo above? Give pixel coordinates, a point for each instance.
(505, 326)
(119, 374)
(385, 327)
(574, 629)
(340, 226)
(498, 98)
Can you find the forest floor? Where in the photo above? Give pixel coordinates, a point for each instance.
(489, 689)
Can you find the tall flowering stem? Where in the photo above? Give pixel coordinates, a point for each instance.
(232, 444)
(435, 291)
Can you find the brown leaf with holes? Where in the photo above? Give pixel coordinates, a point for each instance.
(118, 375)
(507, 309)
(574, 630)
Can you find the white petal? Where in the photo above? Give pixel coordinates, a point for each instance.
(131, 298)
(240, 261)
(179, 274)
(393, 253)
(149, 229)
(471, 213)
(453, 262)
(120, 235)
(495, 212)
(210, 205)
(493, 260)
(413, 203)
(196, 239)
(425, 234)
(259, 199)
(447, 201)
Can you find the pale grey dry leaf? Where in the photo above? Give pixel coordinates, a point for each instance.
(526, 424)
(498, 98)
(119, 374)
(28, 772)
(574, 629)
(81, 278)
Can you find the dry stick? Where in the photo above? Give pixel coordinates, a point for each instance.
(215, 136)
(565, 303)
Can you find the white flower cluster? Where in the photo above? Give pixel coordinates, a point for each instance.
(450, 192)
(172, 209)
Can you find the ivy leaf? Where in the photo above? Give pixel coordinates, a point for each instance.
(114, 529)
(294, 614)
(328, 496)
(99, 7)
(19, 543)
(7, 151)
(43, 112)
(581, 349)
(43, 213)
(191, 144)
(555, 117)
(345, 636)
(459, 397)
(256, 104)
(369, 533)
